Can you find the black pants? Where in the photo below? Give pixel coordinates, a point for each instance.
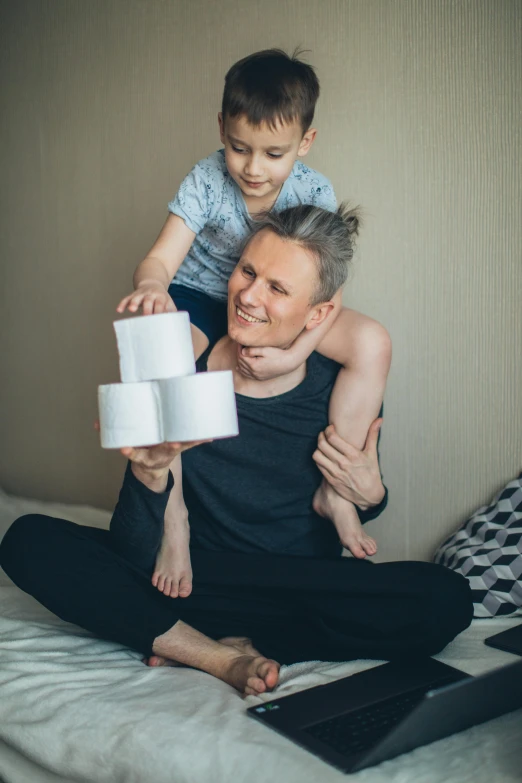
(293, 608)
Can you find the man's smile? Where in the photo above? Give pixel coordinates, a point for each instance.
(250, 318)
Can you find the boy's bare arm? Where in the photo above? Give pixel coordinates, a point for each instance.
(153, 276)
(363, 347)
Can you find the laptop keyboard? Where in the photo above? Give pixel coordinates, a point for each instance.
(357, 731)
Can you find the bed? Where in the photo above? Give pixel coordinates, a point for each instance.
(74, 708)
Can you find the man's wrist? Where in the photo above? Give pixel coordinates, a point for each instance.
(154, 479)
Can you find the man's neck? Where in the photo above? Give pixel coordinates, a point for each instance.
(224, 356)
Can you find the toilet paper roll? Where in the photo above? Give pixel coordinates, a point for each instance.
(155, 346)
(198, 407)
(129, 415)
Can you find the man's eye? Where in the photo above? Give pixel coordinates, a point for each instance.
(248, 272)
(277, 290)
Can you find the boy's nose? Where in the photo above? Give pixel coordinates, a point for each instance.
(253, 167)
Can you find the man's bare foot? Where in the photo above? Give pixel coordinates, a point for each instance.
(173, 572)
(252, 675)
(159, 660)
(240, 643)
(249, 674)
(327, 503)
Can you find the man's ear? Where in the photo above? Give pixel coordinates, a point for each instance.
(306, 142)
(318, 314)
(221, 128)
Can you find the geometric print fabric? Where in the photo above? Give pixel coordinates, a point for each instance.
(487, 550)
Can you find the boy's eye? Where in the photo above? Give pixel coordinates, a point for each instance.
(238, 149)
(275, 154)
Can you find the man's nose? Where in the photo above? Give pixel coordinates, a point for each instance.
(251, 296)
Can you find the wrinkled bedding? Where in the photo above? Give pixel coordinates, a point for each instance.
(74, 708)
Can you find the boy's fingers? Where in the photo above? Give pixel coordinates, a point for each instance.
(158, 306)
(252, 353)
(123, 304)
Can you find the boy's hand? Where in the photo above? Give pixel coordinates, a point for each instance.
(152, 297)
(262, 364)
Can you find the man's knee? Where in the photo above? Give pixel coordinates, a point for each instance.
(22, 545)
(449, 608)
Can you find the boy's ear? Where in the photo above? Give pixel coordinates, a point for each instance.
(306, 142)
(221, 128)
(318, 314)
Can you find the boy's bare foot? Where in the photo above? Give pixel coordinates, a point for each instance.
(327, 503)
(173, 572)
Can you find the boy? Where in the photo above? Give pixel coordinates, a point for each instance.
(265, 126)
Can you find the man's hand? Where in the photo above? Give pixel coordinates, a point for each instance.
(151, 296)
(262, 364)
(354, 474)
(151, 464)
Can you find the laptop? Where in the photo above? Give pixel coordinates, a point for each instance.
(510, 640)
(359, 721)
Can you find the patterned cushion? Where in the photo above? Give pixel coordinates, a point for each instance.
(487, 550)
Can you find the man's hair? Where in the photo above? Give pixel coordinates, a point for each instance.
(271, 87)
(328, 236)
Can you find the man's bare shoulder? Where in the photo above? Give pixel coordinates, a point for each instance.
(371, 342)
(223, 355)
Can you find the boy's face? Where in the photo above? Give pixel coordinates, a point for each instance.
(261, 159)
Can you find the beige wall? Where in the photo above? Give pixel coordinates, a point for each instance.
(106, 104)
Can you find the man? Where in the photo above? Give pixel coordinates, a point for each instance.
(270, 586)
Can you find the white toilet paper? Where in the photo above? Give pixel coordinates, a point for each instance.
(155, 346)
(198, 407)
(129, 415)
(195, 407)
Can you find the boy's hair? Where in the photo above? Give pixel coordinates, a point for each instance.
(329, 236)
(271, 87)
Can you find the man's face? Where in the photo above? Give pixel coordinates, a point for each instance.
(269, 293)
(260, 159)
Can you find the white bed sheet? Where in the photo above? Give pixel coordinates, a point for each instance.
(74, 708)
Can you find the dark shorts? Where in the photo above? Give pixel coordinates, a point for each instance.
(206, 313)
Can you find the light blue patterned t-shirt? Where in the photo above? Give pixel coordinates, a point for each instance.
(212, 205)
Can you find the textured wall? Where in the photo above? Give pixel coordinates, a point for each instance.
(106, 104)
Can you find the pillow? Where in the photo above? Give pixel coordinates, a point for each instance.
(487, 550)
